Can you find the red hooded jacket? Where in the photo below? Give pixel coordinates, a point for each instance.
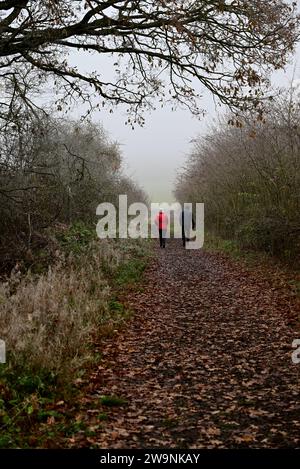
(161, 221)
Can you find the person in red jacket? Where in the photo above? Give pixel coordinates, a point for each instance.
(161, 222)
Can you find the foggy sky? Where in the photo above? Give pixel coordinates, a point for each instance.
(153, 154)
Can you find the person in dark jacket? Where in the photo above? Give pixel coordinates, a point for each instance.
(187, 223)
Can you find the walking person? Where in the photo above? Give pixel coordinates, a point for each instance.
(187, 223)
(161, 222)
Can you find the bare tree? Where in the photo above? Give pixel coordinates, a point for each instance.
(161, 49)
(55, 171)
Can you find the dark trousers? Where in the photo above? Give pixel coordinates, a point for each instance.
(162, 239)
(184, 238)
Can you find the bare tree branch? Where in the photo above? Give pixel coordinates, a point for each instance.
(161, 49)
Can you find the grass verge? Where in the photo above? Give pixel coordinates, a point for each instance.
(281, 274)
(50, 322)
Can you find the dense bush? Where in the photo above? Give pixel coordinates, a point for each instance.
(248, 176)
(54, 171)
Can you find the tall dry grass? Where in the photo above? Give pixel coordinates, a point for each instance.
(48, 322)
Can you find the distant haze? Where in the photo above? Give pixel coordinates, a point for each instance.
(154, 153)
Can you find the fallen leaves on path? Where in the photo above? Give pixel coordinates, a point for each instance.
(205, 362)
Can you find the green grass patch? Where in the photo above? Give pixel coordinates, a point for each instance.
(75, 427)
(233, 249)
(26, 401)
(77, 238)
(116, 307)
(130, 272)
(112, 401)
(228, 246)
(117, 312)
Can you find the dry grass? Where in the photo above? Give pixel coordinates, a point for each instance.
(48, 321)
